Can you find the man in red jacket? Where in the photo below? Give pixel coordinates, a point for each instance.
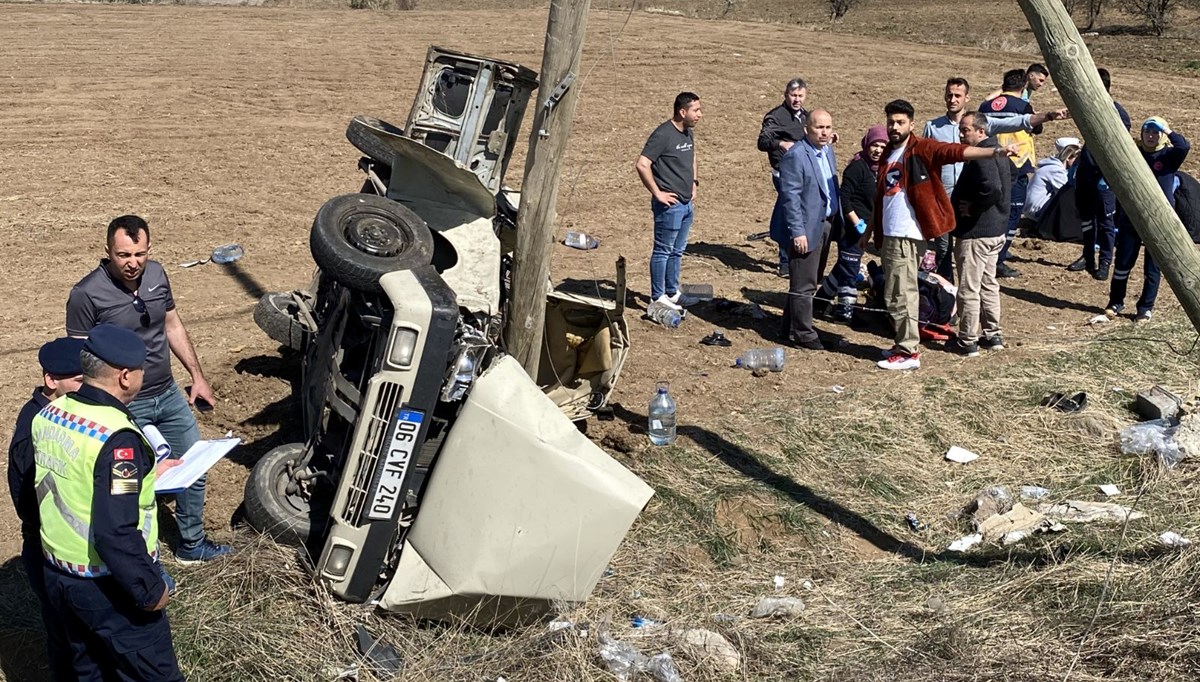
(911, 208)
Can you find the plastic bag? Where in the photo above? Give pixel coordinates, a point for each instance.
(1156, 437)
(662, 667)
(623, 660)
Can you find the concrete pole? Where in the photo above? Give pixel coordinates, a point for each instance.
(539, 191)
(1127, 173)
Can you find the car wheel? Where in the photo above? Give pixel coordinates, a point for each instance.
(274, 315)
(270, 507)
(358, 238)
(372, 136)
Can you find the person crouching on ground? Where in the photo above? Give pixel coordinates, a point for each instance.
(1052, 174)
(809, 205)
(981, 204)
(911, 208)
(1164, 151)
(667, 167)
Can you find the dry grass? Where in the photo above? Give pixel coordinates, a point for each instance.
(817, 489)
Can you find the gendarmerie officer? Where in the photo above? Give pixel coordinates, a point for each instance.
(61, 374)
(95, 477)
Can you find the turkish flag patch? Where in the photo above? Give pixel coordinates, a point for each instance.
(123, 454)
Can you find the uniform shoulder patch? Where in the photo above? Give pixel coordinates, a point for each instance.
(123, 454)
(125, 479)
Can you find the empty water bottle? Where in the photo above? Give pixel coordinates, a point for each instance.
(227, 253)
(662, 416)
(580, 240)
(762, 358)
(664, 315)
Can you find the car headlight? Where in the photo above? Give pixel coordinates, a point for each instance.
(404, 347)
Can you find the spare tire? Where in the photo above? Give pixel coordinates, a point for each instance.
(373, 137)
(274, 315)
(270, 508)
(358, 238)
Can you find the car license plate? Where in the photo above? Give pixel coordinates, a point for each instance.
(389, 490)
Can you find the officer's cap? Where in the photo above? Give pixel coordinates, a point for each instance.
(60, 357)
(117, 346)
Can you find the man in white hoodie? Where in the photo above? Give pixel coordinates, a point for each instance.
(1052, 174)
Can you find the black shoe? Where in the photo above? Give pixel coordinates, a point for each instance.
(842, 313)
(1079, 265)
(992, 342)
(814, 344)
(716, 338)
(1004, 271)
(1101, 273)
(967, 350)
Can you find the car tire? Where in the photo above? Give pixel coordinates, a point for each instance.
(371, 136)
(358, 238)
(274, 316)
(269, 507)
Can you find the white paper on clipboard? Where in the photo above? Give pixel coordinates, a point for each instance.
(196, 462)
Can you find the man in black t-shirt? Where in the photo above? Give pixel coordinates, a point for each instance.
(667, 167)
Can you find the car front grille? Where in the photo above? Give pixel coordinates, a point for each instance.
(378, 424)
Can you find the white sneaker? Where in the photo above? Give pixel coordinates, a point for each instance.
(900, 361)
(667, 301)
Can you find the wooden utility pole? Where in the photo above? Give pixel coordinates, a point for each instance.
(1107, 140)
(557, 93)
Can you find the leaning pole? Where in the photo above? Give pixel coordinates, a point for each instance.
(1127, 173)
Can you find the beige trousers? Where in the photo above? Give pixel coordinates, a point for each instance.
(901, 258)
(978, 290)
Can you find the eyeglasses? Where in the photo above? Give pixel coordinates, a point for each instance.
(140, 306)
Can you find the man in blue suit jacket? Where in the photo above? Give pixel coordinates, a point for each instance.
(807, 208)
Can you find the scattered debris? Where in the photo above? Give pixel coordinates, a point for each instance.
(716, 338)
(192, 264)
(1110, 490)
(1017, 524)
(965, 542)
(1033, 492)
(779, 581)
(711, 648)
(770, 607)
(559, 624)
(960, 455)
(580, 240)
(639, 622)
(1157, 402)
(807, 584)
(754, 310)
(1076, 511)
(384, 658)
(914, 523)
(988, 503)
(1174, 540)
(1065, 403)
(227, 253)
(837, 389)
(1153, 438)
(623, 660)
(723, 618)
(1099, 319)
(757, 236)
(621, 442)
(935, 604)
(662, 667)
(1051, 327)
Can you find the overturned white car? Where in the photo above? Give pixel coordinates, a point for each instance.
(431, 474)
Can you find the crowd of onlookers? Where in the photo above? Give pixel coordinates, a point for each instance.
(941, 208)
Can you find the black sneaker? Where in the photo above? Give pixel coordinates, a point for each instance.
(1004, 271)
(967, 350)
(1079, 265)
(842, 313)
(992, 342)
(1101, 273)
(1143, 316)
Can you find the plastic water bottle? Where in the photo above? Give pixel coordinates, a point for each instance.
(227, 253)
(667, 317)
(662, 416)
(580, 240)
(762, 358)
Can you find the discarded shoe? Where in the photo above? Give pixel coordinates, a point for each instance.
(717, 338)
(1072, 403)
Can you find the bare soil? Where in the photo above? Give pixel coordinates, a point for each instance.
(226, 125)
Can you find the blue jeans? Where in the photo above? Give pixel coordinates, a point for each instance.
(170, 413)
(671, 227)
(1016, 207)
(1129, 244)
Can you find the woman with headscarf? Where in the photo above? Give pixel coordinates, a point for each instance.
(1164, 151)
(858, 202)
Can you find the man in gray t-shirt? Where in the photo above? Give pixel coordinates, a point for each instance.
(667, 168)
(129, 290)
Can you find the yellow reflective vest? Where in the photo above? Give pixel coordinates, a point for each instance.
(68, 435)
